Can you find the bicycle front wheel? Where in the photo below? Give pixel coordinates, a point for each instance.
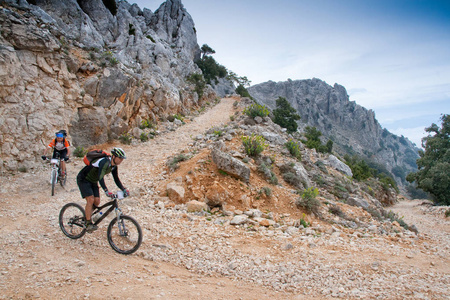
(53, 179)
(72, 220)
(124, 236)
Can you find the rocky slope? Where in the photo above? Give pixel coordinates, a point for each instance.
(254, 248)
(353, 129)
(95, 72)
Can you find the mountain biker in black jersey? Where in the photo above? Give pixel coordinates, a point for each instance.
(90, 175)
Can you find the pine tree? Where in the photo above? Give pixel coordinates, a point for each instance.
(285, 115)
(433, 175)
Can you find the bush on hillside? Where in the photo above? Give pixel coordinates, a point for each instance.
(241, 90)
(211, 69)
(199, 82)
(308, 201)
(256, 110)
(313, 140)
(294, 149)
(254, 144)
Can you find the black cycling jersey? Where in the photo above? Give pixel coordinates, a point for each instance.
(96, 171)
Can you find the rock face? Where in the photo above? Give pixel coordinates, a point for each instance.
(353, 129)
(91, 70)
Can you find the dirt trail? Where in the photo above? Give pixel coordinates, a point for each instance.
(428, 219)
(38, 261)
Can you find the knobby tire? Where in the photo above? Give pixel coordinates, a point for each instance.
(63, 179)
(71, 220)
(53, 178)
(132, 238)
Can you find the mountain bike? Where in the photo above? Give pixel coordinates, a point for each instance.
(56, 172)
(124, 233)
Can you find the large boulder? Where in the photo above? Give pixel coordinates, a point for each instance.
(231, 165)
(216, 195)
(335, 163)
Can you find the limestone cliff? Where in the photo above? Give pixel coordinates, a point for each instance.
(353, 129)
(92, 70)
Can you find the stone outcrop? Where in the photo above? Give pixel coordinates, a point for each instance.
(92, 71)
(230, 165)
(335, 163)
(353, 129)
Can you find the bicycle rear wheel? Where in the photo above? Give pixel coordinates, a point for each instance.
(72, 220)
(53, 179)
(62, 179)
(124, 237)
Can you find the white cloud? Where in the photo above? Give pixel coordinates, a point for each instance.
(415, 135)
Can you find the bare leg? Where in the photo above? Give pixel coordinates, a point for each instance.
(90, 201)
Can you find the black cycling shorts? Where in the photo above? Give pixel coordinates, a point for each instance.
(62, 153)
(88, 188)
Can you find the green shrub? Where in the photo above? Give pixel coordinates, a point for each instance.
(320, 180)
(266, 190)
(394, 217)
(313, 140)
(254, 144)
(125, 138)
(113, 61)
(79, 151)
(23, 169)
(218, 133)
(294, 149)
(143, 137)
(273, 178)
(241, 90)
(147, 124)
(447, 213)
(211, 69)
(337, 211)
(199, 82)
(222, 172)
(308, 201)
(256, 110)
(173, 163)
(108, 57)
(304, 223)
(292, 178)
(131, 29)
(179, 117)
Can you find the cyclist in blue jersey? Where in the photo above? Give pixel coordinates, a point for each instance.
(89, 177)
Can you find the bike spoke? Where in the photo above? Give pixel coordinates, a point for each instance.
(125, 236)
(71, 220)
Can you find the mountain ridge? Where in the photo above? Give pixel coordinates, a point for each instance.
(100, 74)
(352, 128)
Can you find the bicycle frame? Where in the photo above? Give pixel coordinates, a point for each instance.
(125, 237)
(56, 163)
(114, 206)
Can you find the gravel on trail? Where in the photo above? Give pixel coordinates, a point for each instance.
(196, 256)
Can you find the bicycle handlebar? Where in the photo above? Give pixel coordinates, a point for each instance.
(50, 158)
(118, 195)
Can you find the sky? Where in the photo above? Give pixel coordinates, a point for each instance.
(392, 56)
